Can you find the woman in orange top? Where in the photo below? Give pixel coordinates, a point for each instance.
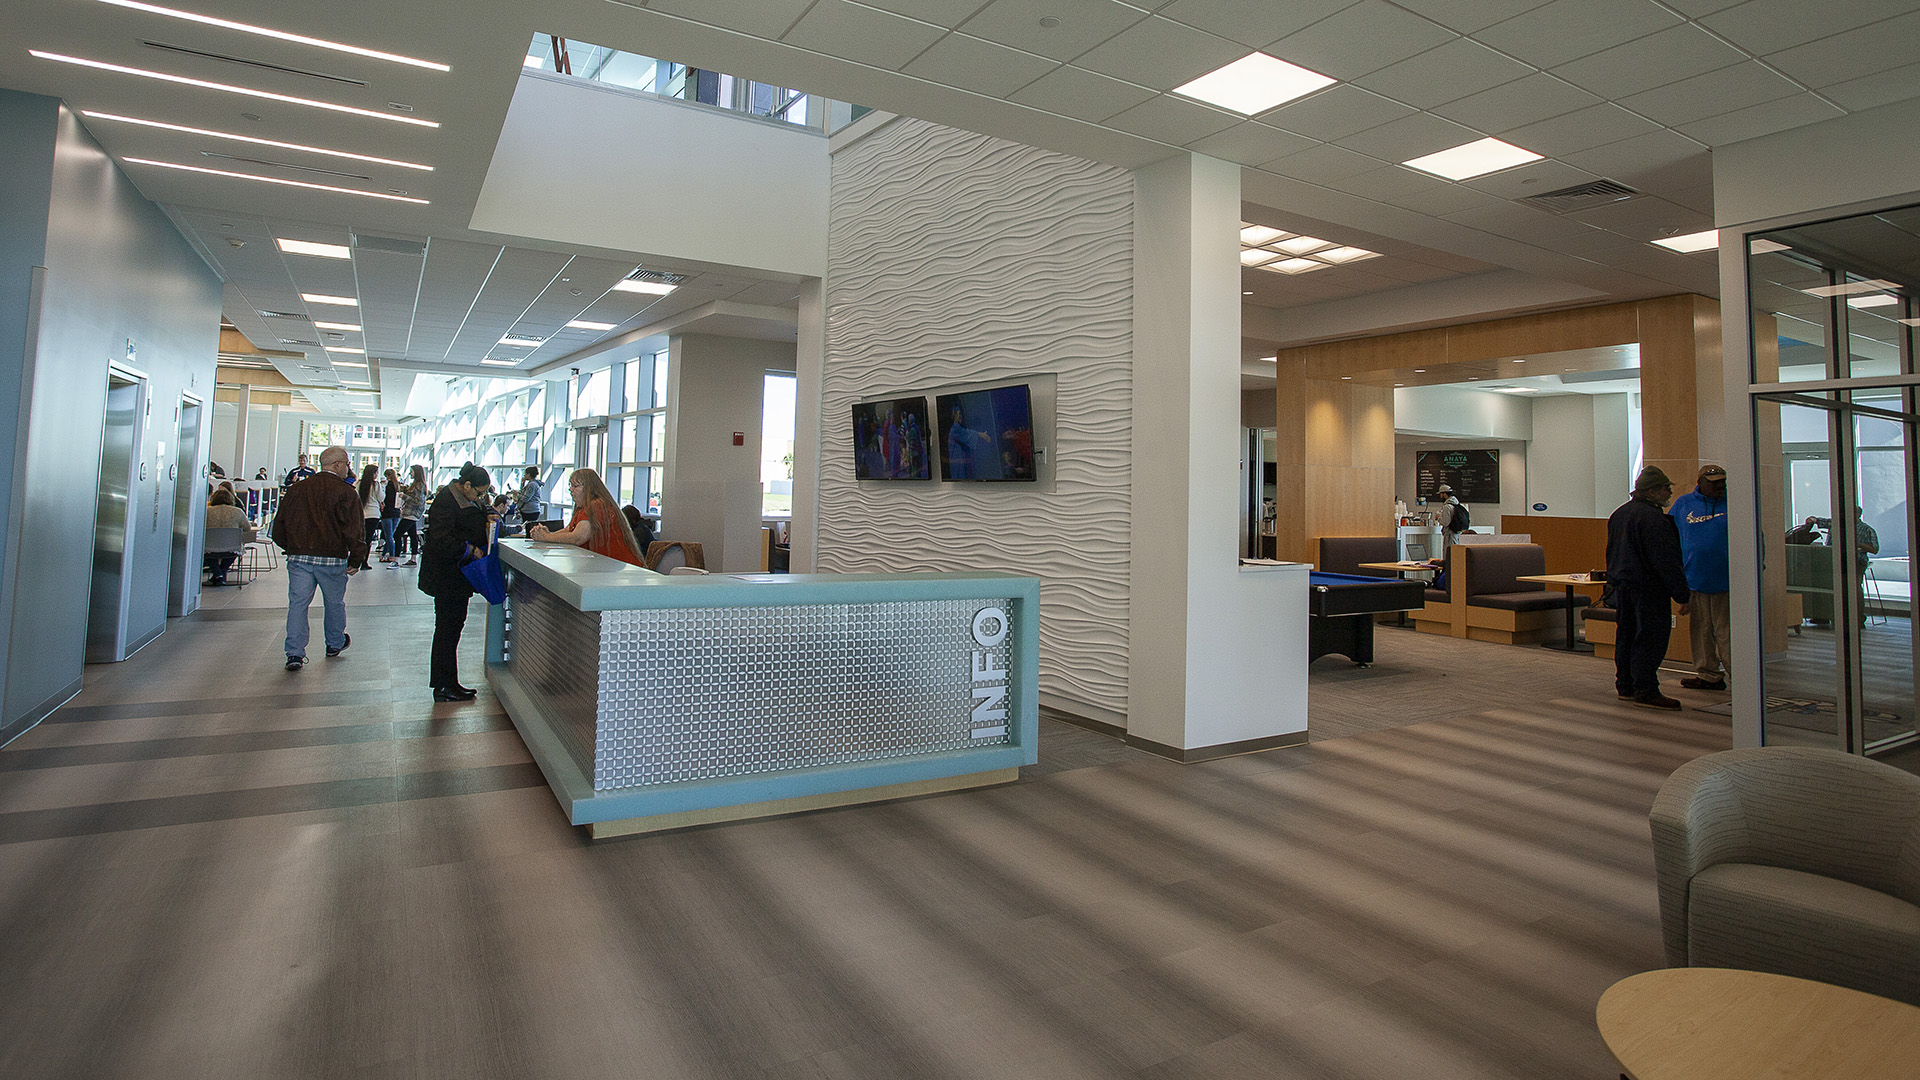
(597, 525)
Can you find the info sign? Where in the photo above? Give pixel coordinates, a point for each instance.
(1474, 475)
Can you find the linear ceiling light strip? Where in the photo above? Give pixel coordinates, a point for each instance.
(273, 180)
(280, 35)
(230, 89)
(235, 136)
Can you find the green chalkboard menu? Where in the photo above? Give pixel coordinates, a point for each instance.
(1474, 475)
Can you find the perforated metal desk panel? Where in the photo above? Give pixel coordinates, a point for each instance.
(646, 696)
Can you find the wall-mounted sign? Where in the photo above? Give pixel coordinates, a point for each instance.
(1539, 507)
(1474, 475)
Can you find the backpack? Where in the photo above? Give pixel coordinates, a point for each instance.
(1461, 521)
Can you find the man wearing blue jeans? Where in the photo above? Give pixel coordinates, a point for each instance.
(321, 528)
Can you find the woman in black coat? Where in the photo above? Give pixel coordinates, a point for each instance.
(456, 534)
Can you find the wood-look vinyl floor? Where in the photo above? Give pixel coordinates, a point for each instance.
(210, 867)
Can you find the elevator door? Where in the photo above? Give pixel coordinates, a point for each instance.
(112, 594)
(183, 580)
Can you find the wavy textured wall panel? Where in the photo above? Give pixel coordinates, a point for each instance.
(958, 258)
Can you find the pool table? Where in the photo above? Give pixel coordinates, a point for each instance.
(1341, 607)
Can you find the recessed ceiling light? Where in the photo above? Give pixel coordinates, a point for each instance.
(1519, 361)
(652, 288)
(1345, 254)
(582, 324)
(1254, 83)
(281, 35)
(1295, 266)
(336, 325)
(1876, 300)
(526, 342)
(1762, 247)
(1852, 287)
(1248, 292)
(499, 363)
(345, 349)
(1300, 245)
(307, 247)
(322, 298)
(271, 180)
(1259, 234)
(1473, 159)
(211, 134)
(1256, 256)
(1516, 389)
(1419, 371)
(231, 89)
(1346, 378)
(1691, 242)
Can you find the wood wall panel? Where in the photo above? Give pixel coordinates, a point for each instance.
(1574, 545)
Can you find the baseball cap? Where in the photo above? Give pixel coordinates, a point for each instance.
(1712, 472)
(1443, 490)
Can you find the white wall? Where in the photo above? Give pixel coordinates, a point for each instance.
(958, 258)
(1455, 410)
(596, 166)
(711, 492)
(1562, 467)
(1863, 156)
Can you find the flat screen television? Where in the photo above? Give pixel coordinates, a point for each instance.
(986, 434)
(890, 440)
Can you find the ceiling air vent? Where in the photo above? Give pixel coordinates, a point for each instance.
(658, 277)
(391, 244)
(1582, 196)
(260, 64)
(282, 315)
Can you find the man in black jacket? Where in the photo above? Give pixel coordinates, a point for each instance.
(456, 534)
(1646, 574)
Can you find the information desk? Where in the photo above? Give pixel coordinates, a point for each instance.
(655, 702)
(1341, 607)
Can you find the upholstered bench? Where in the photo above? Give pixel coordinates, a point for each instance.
(1500, 607)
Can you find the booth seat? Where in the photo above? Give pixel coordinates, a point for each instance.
(1485, 600)
(1603, 630)
(1344, 554)
(1438, 616)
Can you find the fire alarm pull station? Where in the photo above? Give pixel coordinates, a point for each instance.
(739, 438)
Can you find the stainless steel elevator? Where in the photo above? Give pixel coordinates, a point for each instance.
(183, 576)
(120, 465)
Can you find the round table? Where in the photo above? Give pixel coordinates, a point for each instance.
(1711, 1023)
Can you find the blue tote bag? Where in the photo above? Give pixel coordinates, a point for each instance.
(487, 576)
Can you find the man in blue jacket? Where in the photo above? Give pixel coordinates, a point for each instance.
(1701, 517)
(1645, 572)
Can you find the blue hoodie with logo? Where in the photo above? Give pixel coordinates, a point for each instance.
(1703, 541)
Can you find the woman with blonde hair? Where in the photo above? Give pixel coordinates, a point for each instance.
(597, 525)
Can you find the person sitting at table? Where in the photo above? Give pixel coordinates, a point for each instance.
(642, 528)
(223, 514)
(597, 525)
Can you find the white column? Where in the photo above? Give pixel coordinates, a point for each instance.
(235, 467)
(809, 366)
(711, 492)
(1218, 655)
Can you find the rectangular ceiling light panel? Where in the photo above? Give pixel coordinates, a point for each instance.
(1301, 245)
(1691, 242)
(650, 288)
(1876, 300)
(1852, 288)
(1295, 266)
(1256, 256)
(1253, 84)
(307, 247)
(272, 180)
(1473, 159)
(236, 137)
(1257, 235)
(583, 324)
(347, 326)
(345, 349)
(491, 362)
(229, 88)
(1345, 254)
(279, 35)
(322, 298)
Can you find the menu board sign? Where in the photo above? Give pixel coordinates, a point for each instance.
(1474, 475)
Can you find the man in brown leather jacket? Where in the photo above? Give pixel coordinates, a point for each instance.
(320, 527)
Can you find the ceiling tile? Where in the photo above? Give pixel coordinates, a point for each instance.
(852, 32)
(1646, 218)
(1082, 95)
(1323, 164)
(1445, 199)
(1569, 29)
(1336, 112)
(1768, 26)
(1254, 25)
(1576, 131)
(1758, 120)
(761, 18)
(1711, 94)
(981, 66)
(1365, 37)
(1452, 71)
(1410, 137)
(1525, 101)
(1521, 223)
(1389, 184)
(1528, 180)
(1468, 16)
(1698, 199)
(1648, 161)
(1654, 60)
(1694, 9)
(1160, 54)
(1083, 24)
(1882, 88)
(1250, 143)
(1851, 55)
(947, 13)
(1173, 120)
